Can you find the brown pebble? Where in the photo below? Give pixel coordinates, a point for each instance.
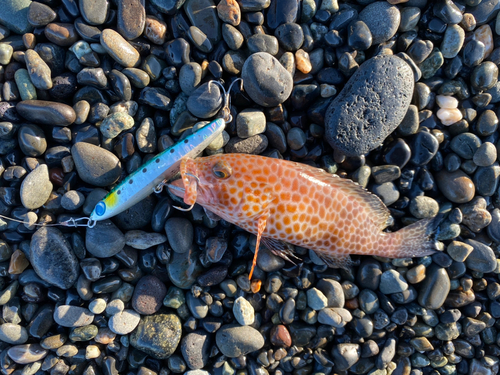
(302, 61)
(18, 262)
(468, 22)
(29, 40)
(394, 2)
(62, 34)
(105, 336)
(352, 303)
(148, 295)
(155, 30)
(229, 12)
(456, 186)
(280, 336)
(56, 176)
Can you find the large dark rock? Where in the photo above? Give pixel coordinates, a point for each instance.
(53, 258)
(372, 104)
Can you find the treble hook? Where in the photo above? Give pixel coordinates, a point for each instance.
(226, 110)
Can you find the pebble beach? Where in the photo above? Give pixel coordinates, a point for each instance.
(400, 96)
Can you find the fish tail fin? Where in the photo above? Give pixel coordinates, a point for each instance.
(415, 240)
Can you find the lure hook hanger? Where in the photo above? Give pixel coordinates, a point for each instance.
(71, 222)
(226, 110)
(190, 207)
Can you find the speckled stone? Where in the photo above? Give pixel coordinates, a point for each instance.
(382, 19)
(95, 165)
(355, 129)
(124, 322)
(14, 15)
(157, 335)
(148, 295)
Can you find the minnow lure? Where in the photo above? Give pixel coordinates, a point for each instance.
(138, 185)
(282, 201)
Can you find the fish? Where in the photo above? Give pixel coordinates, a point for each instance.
(138, 185)
(284, 202)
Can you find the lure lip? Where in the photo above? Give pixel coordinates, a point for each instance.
(138, 185)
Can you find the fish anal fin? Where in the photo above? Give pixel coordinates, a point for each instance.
(279, 248)
(379, 214)
(339, 261)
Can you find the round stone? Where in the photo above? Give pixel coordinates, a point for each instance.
(148, 295)
(36, 188)
(234, 340)
(392, 282)
(157, 335)
(95, 165)
(382, 19)
(265, 80)
(124, 322)
(456, 186)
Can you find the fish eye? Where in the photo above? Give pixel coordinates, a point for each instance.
(221, 170)
(100, 208)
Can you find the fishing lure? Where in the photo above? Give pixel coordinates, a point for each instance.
(151, 176)
(286, 202)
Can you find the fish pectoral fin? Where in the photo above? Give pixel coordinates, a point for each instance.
(261, 226)
(280, 248)
(341, 261)
(211, 215)
(259, 203)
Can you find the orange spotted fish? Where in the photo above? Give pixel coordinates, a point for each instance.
(286, 202)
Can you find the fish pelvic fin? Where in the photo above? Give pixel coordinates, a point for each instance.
(339, 261)
(415, 240)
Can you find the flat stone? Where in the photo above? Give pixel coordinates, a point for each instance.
(14, 15)
(72, 316)
(46, 112)
(482, 258)
(391, 282)
(203, 15)
(131, 18)
(157, 335)
(234, 340)
(370, 106)
(14, 334)
(94, 12)
(39, 71)
(95, 165)
(205, 101)
(53, 258)
(119, 49)
(40, 14)
(28, 353)
(435, 288)
(36, 188)
(104, 239)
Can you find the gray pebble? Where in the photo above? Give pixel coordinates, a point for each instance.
(72, 316)
(180, 234)
(391, 282)
(36, 188)
(250, 122)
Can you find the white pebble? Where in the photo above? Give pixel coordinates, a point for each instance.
(30, 220)
(243, 311)
(97, 306)
(449, 116)
(124, 322)
(92, 351)
(447, 102)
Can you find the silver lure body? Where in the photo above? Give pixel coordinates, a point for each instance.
(138, 185)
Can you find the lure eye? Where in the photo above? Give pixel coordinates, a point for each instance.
(221, 170)
(100, 208)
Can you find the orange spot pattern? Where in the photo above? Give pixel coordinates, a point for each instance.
(304, 211)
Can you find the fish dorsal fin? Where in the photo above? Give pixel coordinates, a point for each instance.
(379, 212)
